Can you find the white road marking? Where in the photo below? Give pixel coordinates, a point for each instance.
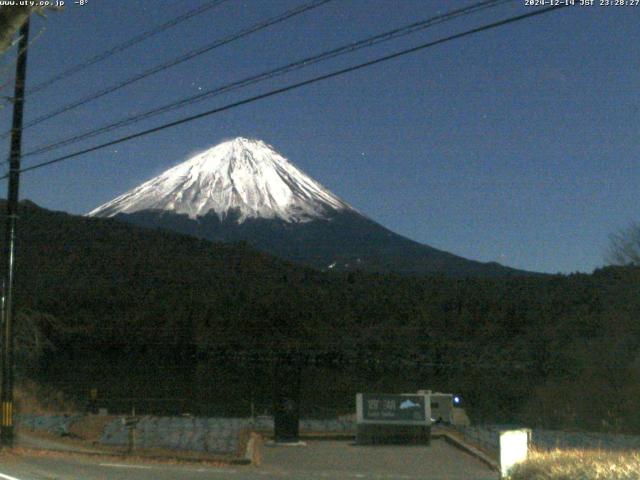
(219, 470)
(214, 471)
(8, 477)
(124, 465)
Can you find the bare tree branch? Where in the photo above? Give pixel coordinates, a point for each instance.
(624, 247)
(11, 19)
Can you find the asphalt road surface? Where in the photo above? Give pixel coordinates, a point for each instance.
(318, 460)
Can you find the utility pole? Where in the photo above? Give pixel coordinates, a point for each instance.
(6, 394)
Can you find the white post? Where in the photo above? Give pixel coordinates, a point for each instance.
(514, 446)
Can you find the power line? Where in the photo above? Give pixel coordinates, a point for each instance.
(293, 87)
(299, 64)
(125, 45)
(188, 56)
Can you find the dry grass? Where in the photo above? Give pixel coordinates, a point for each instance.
(578, 465)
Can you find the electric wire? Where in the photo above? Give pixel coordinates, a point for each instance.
(293, 86)
(125, 45)
(299, 64)
(176, 61)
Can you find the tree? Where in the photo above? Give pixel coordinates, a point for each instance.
(12, 17)
(33, 336)
(624, 247)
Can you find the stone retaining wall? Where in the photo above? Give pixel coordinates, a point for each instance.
(211, 435)
(52, 424)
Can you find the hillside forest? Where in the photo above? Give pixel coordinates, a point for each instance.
(175, 324)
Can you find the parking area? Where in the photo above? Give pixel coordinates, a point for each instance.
(345, 460)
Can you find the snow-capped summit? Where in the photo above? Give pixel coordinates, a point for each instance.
(242, 175)
(244, 191)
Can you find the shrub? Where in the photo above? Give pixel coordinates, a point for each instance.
(578, 465)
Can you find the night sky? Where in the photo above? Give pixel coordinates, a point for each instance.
(518, 145)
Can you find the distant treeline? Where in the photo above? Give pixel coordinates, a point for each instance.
(115, 300)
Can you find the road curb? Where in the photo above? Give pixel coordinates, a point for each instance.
(468, 448)
(143, 456)
(306, 435)
(185, 457)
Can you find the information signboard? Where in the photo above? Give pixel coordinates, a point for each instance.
(374, 408)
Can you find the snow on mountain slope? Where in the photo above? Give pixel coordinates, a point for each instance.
(247, 176)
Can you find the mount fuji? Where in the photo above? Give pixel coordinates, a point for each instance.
(244, 190)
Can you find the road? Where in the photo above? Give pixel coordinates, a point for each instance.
(318, 460)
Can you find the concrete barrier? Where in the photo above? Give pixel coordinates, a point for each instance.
(514, 449)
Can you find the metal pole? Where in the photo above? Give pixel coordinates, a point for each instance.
(6, 393)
